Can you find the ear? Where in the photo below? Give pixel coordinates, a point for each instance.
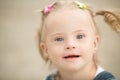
(43, 48)
(96, 41)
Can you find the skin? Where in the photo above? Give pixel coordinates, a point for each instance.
(71, 32)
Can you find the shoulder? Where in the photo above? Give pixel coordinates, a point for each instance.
(49, 77)
(105, 75)
(53, 76)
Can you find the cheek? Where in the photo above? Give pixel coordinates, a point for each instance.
(54, 51)
(54, 47)
(55, 55)
(88, 50)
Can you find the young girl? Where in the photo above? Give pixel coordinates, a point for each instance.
(69, 39)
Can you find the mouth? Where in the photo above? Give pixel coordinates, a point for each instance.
(71, 56)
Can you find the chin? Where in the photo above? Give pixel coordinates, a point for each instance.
(73, 67)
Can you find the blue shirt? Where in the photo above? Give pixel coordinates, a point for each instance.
(105, 75)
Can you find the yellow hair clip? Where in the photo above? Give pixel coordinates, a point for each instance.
(81, 5)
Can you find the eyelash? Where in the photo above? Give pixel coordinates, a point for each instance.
(59, 39)
(80, 36)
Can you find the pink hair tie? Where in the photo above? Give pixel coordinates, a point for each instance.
(48, 8)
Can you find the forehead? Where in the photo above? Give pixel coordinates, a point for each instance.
(67, 18)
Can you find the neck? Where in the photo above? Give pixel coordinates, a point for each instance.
(85, 73)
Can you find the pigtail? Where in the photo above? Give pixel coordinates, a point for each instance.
(112, 18)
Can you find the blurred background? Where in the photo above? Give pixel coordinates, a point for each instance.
(19, 56)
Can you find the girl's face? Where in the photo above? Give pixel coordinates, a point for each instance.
(70, 39)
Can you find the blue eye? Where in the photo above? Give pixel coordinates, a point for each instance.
(59, 39)
(80, 36)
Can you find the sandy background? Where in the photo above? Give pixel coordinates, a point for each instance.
(19, 57)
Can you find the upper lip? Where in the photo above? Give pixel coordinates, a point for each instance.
(72, 55)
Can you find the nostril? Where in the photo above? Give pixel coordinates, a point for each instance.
(73, 47)
(70, 47)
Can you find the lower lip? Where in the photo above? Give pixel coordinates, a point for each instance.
(72, 58)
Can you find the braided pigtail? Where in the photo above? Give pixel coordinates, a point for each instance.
(112, 18)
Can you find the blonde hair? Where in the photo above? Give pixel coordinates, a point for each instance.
(110, 17)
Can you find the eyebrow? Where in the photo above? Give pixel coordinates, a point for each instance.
(56, 34)
(79, 30)
(72, 32)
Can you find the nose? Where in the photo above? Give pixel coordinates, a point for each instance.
(70, 45)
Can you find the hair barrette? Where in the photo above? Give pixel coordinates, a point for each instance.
(81, 5)
(48, 8)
